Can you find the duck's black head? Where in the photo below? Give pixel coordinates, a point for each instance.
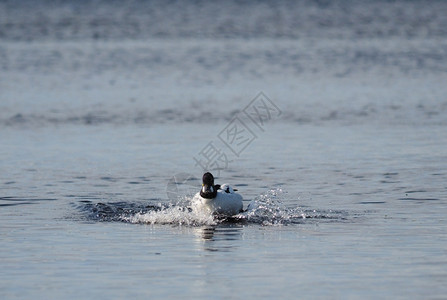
(208, 191)
(208, 179)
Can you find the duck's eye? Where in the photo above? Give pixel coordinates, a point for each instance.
(227, 189)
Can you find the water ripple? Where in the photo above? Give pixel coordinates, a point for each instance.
(14, 201)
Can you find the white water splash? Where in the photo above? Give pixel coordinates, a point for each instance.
(268, 209)
(173, 215)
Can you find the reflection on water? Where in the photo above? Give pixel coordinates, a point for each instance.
(206, 233)
(218, 238)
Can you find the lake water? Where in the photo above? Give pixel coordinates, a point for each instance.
(108, 110)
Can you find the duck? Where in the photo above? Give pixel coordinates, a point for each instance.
(217, 199)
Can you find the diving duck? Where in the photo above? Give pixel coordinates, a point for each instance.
(217, 199)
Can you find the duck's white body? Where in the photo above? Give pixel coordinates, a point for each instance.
(226, 202)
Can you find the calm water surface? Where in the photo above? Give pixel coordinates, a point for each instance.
(372, 227)
(98, 113)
